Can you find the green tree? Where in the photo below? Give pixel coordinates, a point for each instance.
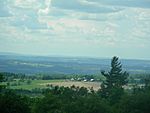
(28, 82)
(48, 104)
(115, 79)
(135, 103)
(147, 82)
(1, 80)
(10, 102)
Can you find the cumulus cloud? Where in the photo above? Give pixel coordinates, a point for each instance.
(26, 16)
(75, 24)
(28, 22)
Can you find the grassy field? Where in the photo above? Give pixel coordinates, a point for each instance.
(44, 84)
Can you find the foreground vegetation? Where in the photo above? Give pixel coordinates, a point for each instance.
(111, 98)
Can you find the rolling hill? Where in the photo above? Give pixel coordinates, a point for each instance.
(65, 65)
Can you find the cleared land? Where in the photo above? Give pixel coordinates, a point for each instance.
(44, 84)
(88, 85)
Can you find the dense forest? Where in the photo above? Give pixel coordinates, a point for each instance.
(112, 96)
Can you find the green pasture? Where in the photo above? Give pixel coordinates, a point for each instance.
(32, 85)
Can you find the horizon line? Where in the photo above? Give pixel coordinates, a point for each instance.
(67, 56)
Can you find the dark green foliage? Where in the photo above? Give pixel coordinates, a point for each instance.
(147, 82)
(49, 104)
(135, 103)
(1, 80)
(110, 99)
(12, 103)
(88, 104)
(75, 100)
(71, 100)
(28, 82)
(112, 87)
(1, 77)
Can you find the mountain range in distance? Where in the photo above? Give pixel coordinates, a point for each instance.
(29, 64)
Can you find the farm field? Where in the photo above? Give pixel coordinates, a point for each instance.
(88, 85)
(46, 83)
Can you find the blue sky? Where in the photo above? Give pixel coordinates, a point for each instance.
(94, 28)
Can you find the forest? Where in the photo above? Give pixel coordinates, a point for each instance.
(118, 92)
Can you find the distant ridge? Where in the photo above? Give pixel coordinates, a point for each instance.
(31, 64)
(63, 56)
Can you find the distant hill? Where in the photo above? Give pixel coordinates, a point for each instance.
(65, 65)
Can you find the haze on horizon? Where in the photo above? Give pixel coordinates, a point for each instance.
(93, 28)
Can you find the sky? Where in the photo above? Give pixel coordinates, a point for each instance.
(91, 28)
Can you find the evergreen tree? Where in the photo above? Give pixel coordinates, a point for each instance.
(112, 87)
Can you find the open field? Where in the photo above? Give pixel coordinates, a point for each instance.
(88, 85)
(44, 84)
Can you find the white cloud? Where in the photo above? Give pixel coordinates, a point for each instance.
(75, 24)
(79, 6)
(124, 3)
(47, 9)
